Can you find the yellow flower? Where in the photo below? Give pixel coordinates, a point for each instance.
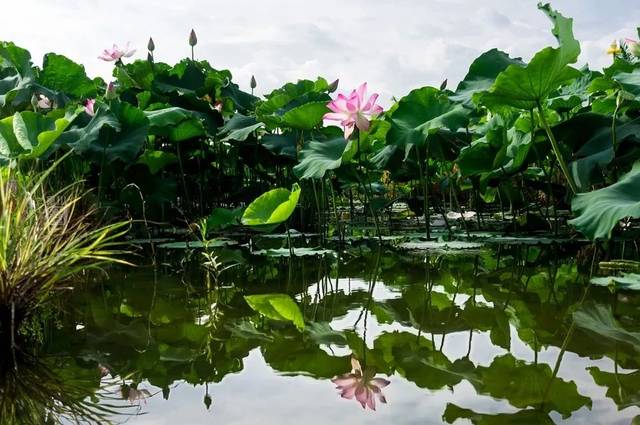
(614, 49)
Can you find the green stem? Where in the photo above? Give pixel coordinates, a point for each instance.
(184, 180)
(425, 190)
(556, 150)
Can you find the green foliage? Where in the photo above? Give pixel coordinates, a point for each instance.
(63, 75)
(277, 307)
(526, 87)
(46, 240)
(598, 212)
(320, 156)
(272, 208)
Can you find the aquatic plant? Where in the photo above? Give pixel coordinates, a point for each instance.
(47, 237)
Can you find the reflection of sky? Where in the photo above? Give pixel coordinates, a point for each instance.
(258, 394)
(395, 46)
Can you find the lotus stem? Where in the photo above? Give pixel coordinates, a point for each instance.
(556, 150)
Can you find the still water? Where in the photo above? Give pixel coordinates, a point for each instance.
(494, 336)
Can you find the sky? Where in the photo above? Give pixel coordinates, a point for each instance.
(394, 45)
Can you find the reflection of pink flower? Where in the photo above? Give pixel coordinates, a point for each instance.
(116, 53)
(361, 385)
(354, 110)
(134, 394)
(88, 107)
(104, 371)
(44, 102)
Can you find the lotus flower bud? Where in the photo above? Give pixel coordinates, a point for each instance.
(111, 93)
(207, 401)
(151, 46)
(253, 83)
(333, 86)
(193, 39)
(634, 47)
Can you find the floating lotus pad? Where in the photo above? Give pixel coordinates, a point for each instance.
(440, 246)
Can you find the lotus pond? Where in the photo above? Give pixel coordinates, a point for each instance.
(175, 249)
(508, 334)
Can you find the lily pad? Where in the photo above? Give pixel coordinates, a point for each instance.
(214, 243)
(297, 252)
(445, 246)
(627, 281)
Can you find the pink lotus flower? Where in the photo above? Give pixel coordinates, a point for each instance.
(218, 106)
(44, 102)
(88, 107)
(361, 385)
(353, 111)
(634, 47)
(116, 53)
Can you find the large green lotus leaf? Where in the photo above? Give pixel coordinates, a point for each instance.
(529, 385)
(500, 154)
(630, 81)
(166, 117)
(272, 207)
(277, 307)
(17, 77)
(157, 160)
(281, 144)
(239, 127)
(28, 135)
(81, 138)
(590, 137)
(527, 416)
(125, 131)
(280, 98)
(221, 218)
(186, 77)
(422, 113)
(306, 116)
(572, 95)
(482, 74)
(598, 212)
(526, 87)
(320, 156)
(178, 124)
(63, 75)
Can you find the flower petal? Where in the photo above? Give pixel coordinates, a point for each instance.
(380, 382)
(362, 122)
(335, 116)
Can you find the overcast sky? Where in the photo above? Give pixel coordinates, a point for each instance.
(394, 45)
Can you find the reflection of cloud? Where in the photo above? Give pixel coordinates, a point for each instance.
(395, 46)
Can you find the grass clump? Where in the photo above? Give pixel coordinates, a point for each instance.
(47, 238)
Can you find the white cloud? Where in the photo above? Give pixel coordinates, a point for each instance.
(395, 46)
